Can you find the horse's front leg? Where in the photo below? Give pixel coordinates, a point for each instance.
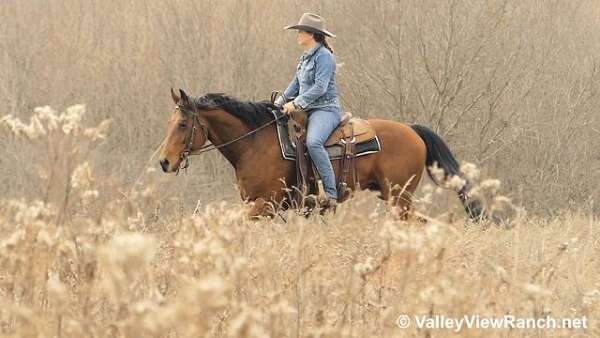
(264, 203)
(265, 198)
(259, 207)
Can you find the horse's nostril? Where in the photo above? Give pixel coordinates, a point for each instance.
(164, 164)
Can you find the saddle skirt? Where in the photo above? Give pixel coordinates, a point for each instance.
(365, 138)
(361, 128)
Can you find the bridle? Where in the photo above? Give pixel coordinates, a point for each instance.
(184, 157)
(187, 152)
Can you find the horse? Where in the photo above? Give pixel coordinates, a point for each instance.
(245, 134)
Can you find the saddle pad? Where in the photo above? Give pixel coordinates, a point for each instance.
(288, 150)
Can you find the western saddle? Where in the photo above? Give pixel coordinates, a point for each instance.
(350, 132)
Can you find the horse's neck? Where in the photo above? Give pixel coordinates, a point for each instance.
(224, 128)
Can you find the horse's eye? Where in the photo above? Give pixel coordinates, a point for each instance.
(183, 125)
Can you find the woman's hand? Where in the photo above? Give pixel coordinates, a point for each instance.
(289, 107)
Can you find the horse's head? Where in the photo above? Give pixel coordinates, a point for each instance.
(186, 131)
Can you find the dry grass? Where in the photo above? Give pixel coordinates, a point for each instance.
(89, 247)
(214, 274)
(81, 264)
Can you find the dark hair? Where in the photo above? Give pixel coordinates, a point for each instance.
(319, 37)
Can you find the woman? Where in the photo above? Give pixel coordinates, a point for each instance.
(313, 90)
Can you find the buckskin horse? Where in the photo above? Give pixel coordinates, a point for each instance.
(245, 134)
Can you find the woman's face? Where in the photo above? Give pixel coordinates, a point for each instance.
(304, 38)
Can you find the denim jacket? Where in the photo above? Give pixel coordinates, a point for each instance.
(313, 85)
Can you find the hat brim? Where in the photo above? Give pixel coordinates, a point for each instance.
(310, 29)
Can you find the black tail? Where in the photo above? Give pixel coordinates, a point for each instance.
(438, 151)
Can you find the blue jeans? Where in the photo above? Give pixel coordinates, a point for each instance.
(321, 122)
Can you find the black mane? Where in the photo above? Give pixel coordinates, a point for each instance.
(254, 114)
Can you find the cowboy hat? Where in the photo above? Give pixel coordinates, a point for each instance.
(312, 23)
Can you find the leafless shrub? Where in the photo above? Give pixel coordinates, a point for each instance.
(512, 86)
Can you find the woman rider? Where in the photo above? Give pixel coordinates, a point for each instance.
(313, 90)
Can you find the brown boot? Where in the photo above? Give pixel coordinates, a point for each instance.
(328, 204)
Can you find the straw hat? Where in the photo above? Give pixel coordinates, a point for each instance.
(312, 23)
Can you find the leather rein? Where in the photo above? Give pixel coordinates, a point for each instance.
(187, 152)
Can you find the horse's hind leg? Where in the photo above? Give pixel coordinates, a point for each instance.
(399, 198)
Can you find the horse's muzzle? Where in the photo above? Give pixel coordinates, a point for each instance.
(164, 164)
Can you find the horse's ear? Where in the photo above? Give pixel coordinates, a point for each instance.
(184, 97)
(174, 96)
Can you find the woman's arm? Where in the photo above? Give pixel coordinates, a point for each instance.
(289, 93)
(292, 89)
(325, 65)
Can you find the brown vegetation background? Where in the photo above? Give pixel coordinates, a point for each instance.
(92, 244)
(511, 85)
